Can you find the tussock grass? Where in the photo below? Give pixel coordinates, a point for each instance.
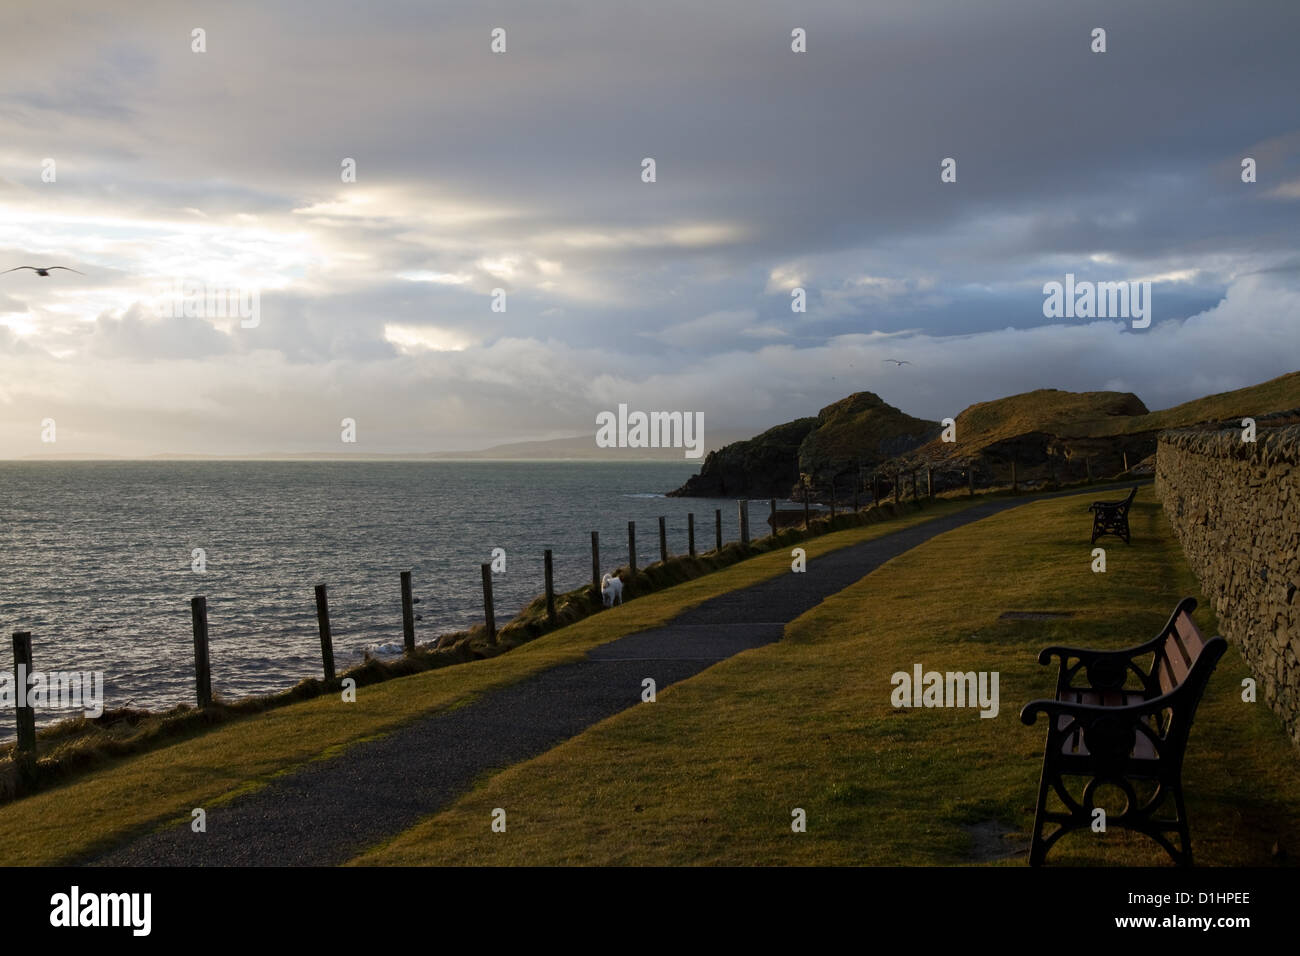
(710, 773)
(205, 764)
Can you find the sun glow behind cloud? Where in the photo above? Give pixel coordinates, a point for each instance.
(426, 338)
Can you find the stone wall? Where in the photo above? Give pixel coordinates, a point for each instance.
(1235, 507)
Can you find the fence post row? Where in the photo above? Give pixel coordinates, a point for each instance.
(717, 525)
(24, 716)
(663, 540)
(202, 669)
(631, 546)
(489, 613)
(595, 560)
(408, 614)
(326, 637)
(690, 533)
(550, 587)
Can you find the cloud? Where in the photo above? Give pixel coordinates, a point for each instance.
(138, 336)
(718, 329)
(522, 171)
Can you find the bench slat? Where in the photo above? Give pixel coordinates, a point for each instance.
(1165, 672)
(1177, 661)
(1192, 639)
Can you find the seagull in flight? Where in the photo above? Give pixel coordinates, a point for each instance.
(897, 362)
(42, 271)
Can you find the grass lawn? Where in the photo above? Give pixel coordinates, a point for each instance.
(139, 793)
(711, 772)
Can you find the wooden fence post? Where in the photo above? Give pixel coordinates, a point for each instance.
(663, 539)
(550, 587)
(202, 668)
(929, 483)
(806, 511)
(408, 614)
(772, 516)
(717, 525)
(690, 533)
(489, 612)
(631, 546)
(970, 482)
(24, 716)
(326, 638)
(1125, 460)
(595, 560)
(744, 521)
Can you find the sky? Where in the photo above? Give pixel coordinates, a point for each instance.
(522, 171)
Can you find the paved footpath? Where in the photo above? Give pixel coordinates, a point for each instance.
(329, 811)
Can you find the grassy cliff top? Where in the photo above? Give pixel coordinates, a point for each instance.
(1276, 395)
(1044, 410)
(860, 426)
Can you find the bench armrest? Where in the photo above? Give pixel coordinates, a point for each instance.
(1087, 713)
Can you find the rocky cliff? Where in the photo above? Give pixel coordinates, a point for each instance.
(855, 433)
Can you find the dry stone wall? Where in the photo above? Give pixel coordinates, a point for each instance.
(1235, 506)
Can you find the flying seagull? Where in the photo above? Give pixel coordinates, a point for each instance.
(42, 272)
(897, 361)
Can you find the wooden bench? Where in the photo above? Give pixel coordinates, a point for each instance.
(1121, 718)
(1111, 517)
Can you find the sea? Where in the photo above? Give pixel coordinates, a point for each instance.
(97, 559)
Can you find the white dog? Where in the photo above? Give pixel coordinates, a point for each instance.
(611, 590)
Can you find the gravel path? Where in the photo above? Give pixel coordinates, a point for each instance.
(327, 812)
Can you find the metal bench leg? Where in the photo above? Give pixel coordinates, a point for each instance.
(1037, 846)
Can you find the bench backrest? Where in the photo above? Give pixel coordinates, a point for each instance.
(1182, 648)
(1183, 664)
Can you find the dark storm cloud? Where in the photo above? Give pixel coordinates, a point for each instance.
(522, 172)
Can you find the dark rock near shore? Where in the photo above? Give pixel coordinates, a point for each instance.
(759, 467)
(851, 435)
